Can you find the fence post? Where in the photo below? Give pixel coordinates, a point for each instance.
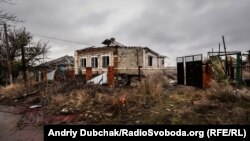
(111, 76)
(88, 73)
(238, 68)
(139, 73)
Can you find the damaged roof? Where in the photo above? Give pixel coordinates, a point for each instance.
(65, 60)
(96, 49)
(113, 44)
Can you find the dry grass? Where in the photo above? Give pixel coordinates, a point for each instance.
(220, 104)
(149, 92)
(13, 90)
(222, 91)
(246, 74)
(151, 102)
(72, 102)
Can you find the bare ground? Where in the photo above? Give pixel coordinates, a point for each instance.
(153, 101)
(10, 131)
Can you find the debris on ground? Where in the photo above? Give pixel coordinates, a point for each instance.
(11, 109)
(66, 110)
(154, 100)
(26, 95)
(30, 119)
(35, 106)
(59, 119)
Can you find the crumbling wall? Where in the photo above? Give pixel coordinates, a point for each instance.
(99, 53)
(157, 61)
(128, 60)
(124, 59)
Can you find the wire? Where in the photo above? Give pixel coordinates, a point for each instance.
(62, 39)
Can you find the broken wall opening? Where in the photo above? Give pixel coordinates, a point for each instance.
(230, 65)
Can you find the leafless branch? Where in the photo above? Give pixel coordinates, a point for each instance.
(7, 1)
(4, 17)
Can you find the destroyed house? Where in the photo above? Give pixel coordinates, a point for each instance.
(124, 59)
(65, 62)
(58, 69)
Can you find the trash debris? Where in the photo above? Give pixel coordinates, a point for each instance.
(171, 105)
(2, 96)
(133, 85)
(169, 110)
(100, 79)
(35, 106)
(51, 74)
(108, 114)
(26, 95)
(137, 122)
(172, 82)
(66, 110)
(122, 99)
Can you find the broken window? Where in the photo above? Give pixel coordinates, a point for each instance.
(150, 60)
(162, 62)
(105, 61)
(94, 62)
(83, 63)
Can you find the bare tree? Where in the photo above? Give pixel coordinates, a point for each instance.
(4, 17)
(19, 39)
(33, 50)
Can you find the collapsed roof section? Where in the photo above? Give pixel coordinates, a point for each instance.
(96, 49)
(62, 61)
(113, 44)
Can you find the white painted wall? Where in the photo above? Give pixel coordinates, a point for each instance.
(155, 60)
(88, 61)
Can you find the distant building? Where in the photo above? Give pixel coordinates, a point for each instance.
(65, 62)
(58, 69)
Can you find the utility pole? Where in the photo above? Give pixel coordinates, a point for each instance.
(7, 54)
(226, 62)
(219, 49)
(138, 64)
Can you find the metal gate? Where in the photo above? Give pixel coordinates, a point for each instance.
(193, 66)
(180, 71)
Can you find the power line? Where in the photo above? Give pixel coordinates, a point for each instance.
(62, 39)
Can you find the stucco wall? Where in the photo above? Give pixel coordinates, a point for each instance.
(88, 57)
(125, 59)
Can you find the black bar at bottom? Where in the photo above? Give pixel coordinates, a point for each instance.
(197, 132)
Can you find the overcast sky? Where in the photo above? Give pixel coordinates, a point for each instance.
(171, 27)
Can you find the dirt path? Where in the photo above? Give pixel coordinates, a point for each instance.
(9, 130)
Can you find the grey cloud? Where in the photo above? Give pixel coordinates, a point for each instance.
(190, 27)
(170, 27)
